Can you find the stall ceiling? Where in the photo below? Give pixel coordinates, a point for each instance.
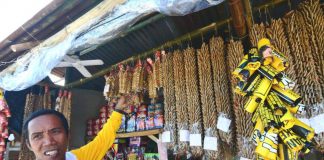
(139, 40)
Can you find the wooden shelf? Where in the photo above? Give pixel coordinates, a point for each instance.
(139, 133)
(134, 134)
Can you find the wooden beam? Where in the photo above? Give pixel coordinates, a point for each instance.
(24, 46)
(139, 133)
(153, 138)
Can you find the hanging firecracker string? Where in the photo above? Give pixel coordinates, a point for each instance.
(243, 122)
(276, 33)
(307, 78)
(307, 45)
(122, 79)
(157, 74)
(47, 98)
(256, 33)
(207, 99)
(181, 100)
(150, 78)
(221, 88)
(25, 153)
(128, 81)
(192, 92)
(169, 100)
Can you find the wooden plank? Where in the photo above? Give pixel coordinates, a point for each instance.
(153, 138)
(139, 133)
(23, 46)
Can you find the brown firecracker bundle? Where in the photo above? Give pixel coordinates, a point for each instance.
(221, 88)
(39, 101)
(181, 100)
(129, 78)
(207, 99)
(257, 32)
(244, 126)
(157, 73)
(139, 78)
(112, 85)
(314, 20)
(193, 101)
(122, 79)
(307, 77)
(151, 88)
(125, 79)
(276, 33)
(308, 22)
(47, 98)
(61, 101)
(25, 153)
(150, 78)
(169, 100)
(67, 106)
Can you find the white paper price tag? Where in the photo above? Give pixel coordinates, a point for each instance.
(195, 139)
(317, 123)
(184, 135)
(210, 143)
(166, 137)
(106, 89)
(223, 123)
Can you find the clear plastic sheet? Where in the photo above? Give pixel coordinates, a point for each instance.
(183, 144)
(318, 111)
(245, 147)
(171, 128)
(183, 7)
(125, 15)
(38, 63)
(209, 154)
(34, 66)
(196, 151)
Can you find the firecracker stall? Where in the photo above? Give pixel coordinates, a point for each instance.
(214, 79)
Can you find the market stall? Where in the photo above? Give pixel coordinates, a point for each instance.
(190, 92)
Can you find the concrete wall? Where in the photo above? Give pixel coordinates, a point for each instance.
(85, 105)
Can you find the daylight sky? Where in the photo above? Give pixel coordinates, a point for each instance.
(14, 13)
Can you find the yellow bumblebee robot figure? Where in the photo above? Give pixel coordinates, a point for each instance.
(277, 133)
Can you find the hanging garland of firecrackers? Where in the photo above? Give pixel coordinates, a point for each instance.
(242, 119)
(4, 115)
(271, 100)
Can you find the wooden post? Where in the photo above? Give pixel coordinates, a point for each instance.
(237, 12)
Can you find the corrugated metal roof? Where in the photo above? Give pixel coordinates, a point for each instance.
(150, 36)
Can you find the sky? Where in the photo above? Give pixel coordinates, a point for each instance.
(14, 13)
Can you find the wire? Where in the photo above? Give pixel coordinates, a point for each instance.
(29, 34)
(9, 62)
